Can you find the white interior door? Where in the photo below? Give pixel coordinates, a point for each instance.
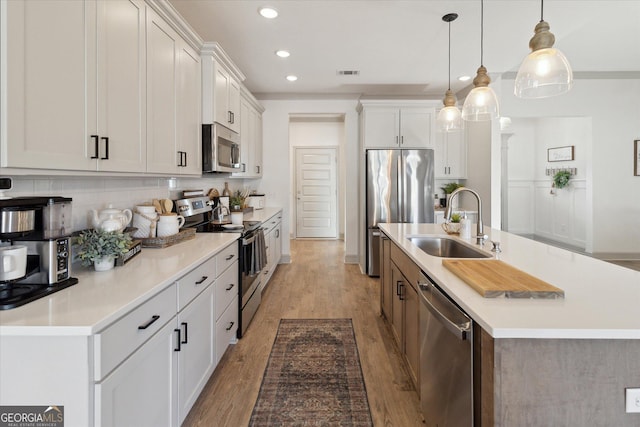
(316, 193)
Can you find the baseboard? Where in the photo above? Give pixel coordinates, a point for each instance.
(285, 259)
(351, 259)
(617, 256)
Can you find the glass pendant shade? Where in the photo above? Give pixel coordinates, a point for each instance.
(481, 104)
(449, 119)
(543, 73)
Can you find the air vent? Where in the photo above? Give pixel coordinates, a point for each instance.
(348, 72)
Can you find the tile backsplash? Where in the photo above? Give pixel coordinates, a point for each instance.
(98, 192)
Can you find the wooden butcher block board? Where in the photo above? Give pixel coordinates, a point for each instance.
(494, 278)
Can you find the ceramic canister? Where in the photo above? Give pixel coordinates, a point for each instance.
(169, 224)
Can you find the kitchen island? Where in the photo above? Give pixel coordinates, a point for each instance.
(564, 361)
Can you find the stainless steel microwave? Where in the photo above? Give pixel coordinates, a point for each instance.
(220, 149)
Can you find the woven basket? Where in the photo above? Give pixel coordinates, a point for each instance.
(163, 242)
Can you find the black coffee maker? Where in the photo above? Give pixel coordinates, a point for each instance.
(42, 225)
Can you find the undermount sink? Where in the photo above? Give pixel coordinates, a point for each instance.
(446, 247)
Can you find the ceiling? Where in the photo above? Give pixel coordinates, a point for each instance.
(400, 47)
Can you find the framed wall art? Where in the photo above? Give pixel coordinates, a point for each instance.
(560, 154)
(636, 157)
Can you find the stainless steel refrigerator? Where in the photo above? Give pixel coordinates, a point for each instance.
(399, 189)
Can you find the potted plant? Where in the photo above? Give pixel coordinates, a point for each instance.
(236, 201)
(101, 247)
(450, 188)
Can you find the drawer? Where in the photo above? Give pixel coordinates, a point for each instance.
(408, 268)
(227, 257)
(226, 287)
(194, 282)
(226, 329)
(270, 224)
(117, 341)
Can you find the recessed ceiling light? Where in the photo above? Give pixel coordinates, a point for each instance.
(292, 78)
(283, 53)
(464, 78)
(268, 12)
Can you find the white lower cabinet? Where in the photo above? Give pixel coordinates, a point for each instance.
(141, 392)
(273, 242)
(196, 353)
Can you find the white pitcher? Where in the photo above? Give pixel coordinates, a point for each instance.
(145, 221)
(169, 224)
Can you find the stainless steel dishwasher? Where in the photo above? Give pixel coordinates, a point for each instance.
(446, 359)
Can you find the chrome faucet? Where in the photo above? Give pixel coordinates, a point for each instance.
(480, 236)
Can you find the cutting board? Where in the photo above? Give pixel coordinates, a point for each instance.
(494, 278)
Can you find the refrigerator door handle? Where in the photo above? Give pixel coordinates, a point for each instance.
(401, 189)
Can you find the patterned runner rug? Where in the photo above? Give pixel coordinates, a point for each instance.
(313, 377)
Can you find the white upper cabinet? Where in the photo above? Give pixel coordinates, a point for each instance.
(45, 98)
(75, 85)
(450, 155)
(226, 99)
(397, 126)
(250, 138)
(121, 60)
(189, 142)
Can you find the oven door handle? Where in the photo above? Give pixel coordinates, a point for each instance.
(250, 240)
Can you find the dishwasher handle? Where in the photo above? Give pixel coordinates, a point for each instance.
(461, 330)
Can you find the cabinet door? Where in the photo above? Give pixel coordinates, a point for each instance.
(197, 354)
(416, 127)
(386, 288)
(440, 165)
(162, 43)
(277, 251)
(381, 127)
(121, 57)
(234, 104)
(412, 332)
(49, 84)
(141, 391)
(189, 121)
(257, 147)
(226, 328)
(457, 155)
(397, 309)
(222, 81)
(246, 138)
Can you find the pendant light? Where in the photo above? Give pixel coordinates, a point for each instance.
(449, 118)
(481, 103)
(545, 71)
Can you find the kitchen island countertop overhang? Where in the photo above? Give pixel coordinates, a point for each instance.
(600, 298)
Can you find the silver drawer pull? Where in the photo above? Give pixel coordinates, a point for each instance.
(150, 322)
(229, 257)
(230, 326)
(202, 280)
(231, 285)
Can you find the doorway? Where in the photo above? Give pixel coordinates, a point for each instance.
(316, 197)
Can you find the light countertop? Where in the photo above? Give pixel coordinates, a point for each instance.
(601, 299)
(261, 214)
(99, 298)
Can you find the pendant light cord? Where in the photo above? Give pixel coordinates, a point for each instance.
(481, 33)
(541, 10)
(449, 55)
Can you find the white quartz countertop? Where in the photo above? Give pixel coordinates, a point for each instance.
(261, 214)
(602, 300)
(99, 298)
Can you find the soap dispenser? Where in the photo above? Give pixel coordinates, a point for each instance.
(465, 227)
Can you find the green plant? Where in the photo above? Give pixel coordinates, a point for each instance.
(236, 200)
(456, 217)
(451, 187)
(561, 179)
(94, 244)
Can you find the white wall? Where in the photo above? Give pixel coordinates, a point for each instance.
(276, 182)
(612, 193)
(326, 132)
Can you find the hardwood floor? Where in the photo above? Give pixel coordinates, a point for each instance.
(317, 284)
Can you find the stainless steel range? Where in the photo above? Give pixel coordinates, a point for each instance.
(198, 213)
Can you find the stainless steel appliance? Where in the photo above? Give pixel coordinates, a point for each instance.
(399, 189)
(446, 359)
(220, 149)
(198, 213)
(43, 225)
